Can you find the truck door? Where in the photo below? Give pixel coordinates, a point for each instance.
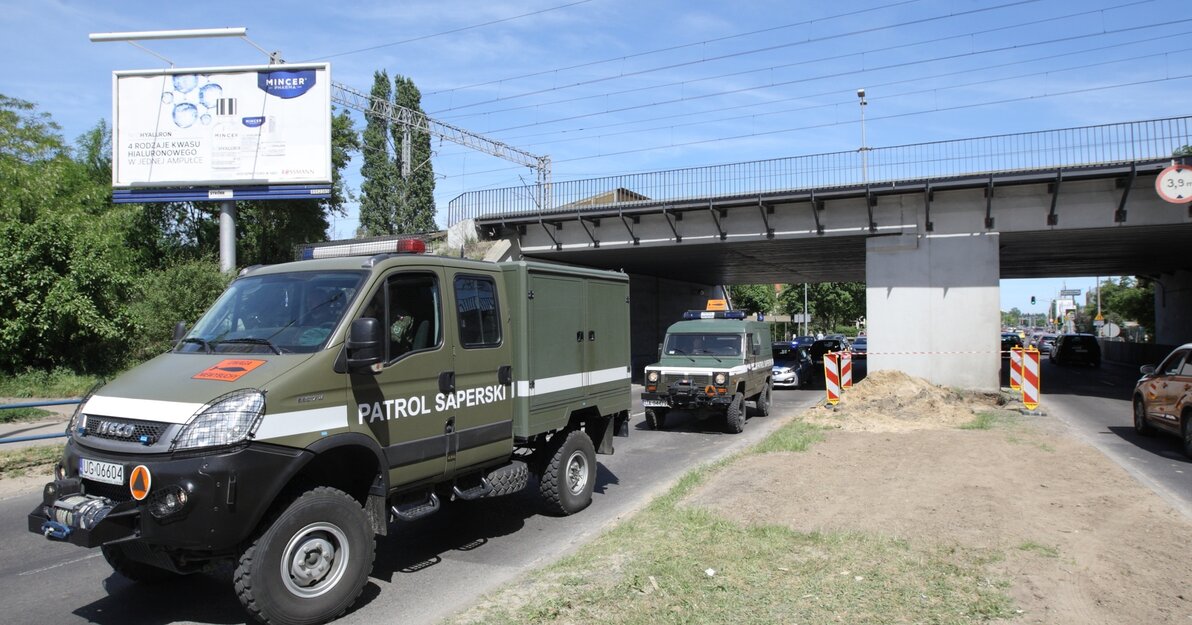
(482, 400)
(606, 326)
(397, 404)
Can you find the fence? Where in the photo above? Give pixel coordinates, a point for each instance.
(37, 404)
(1045, 150)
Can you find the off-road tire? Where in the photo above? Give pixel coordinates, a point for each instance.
(734, 416)
(509, 481)
(656, 418)
(763, 400)
(311, 525)
(569, 475)
(1186, 432)
(135, 570)
(1141, 425)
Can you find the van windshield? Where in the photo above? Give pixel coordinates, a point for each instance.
(280, 313)
(703, 345)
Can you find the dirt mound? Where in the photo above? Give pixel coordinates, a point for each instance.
(892, 401)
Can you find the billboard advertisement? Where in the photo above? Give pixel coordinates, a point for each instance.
(222, 126)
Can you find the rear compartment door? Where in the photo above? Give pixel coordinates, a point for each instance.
(606, 335)
(557, 339)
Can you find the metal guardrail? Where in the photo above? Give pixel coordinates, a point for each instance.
(1049, 150)
(37, 404)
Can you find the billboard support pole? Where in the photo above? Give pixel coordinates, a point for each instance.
(227, 236)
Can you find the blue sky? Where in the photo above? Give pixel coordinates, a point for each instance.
(662, 84)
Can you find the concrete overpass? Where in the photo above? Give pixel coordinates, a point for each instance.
(930, 228)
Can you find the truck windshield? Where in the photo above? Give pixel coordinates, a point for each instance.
(276, 313)
(703, 345)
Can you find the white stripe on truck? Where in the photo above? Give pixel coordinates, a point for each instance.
(542, 386)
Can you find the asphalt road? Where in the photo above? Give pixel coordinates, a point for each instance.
(1095, 403)
(424, 571)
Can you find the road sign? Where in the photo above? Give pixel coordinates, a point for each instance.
(846, 370)
(832, 378)
(1174, 184)
(1030, 378)
(1016, 368)
(1069, 292)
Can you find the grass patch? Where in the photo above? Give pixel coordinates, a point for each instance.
(654, 568)
(17, 415)
(983, 421)
(27, 460)
(1041, 549)
(56, 383)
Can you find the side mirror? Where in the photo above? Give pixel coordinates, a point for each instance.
(1146, 369)
(179, 332)
(366, 346)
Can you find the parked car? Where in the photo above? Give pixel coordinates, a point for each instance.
(860, 347)
(1009, 340)
(840, 337)
(1076, 348)
(1044, 343)
(1163, 397)
(821, 347)
(803, 341)
(792, 365)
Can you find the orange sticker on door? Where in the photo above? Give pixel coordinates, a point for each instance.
(229, 370)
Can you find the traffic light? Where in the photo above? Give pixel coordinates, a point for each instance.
(1032, 300)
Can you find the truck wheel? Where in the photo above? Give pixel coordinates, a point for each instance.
(135, 570)
(1141, 425)
(656, 418)
(763, 401)
(734, 417)
(567, 481)
(311, 561)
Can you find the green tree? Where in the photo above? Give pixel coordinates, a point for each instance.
(1128, 299)
(834, 305)
(415, 209)
(378, 190)
(753, 298)
(1012, 317)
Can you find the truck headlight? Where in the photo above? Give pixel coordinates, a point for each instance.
(225, 420)
(78, 419)
(720, 379)
(652, 376)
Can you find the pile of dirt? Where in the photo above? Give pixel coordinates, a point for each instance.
(1076, 538)
(892, 401)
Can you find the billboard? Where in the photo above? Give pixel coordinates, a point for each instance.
(222, 126)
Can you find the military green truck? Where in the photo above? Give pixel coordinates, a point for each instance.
(712, 362)
(318, 400)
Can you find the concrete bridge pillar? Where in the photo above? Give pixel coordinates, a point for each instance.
(931, 301)
(1173, 308)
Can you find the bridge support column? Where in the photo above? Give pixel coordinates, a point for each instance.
(930, 303)
(1173, 308)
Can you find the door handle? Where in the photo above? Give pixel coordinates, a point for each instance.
(579, 336)
(591, 335)
(505, 374)
(447, 382)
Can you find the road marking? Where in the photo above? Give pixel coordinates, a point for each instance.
(47, 568)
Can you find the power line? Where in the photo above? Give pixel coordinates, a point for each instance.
(863, 31)
(450, 32)
(671, 48)
(823, 59)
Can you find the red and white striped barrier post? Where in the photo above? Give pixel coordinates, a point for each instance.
(1016, 368)
(846, 370)
(832, 378)
(1030, 379)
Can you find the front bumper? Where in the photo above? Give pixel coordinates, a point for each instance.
(227, 492)
(684, 399)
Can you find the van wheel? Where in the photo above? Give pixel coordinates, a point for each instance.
(1141, 425)
(1186, 430)
(567, 480)
(763, 401)
(656, 418)
(734, 417)
(135, 570)
(310, 563)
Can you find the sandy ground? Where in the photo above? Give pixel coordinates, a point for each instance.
(1083, 541)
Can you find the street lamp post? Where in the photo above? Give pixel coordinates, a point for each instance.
(864, 150)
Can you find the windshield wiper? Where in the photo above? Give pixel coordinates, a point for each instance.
(250, 341)
(195, 339)
(679, 351)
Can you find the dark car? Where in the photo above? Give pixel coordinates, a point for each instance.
(803, 341)
(792, 365)
(1009, 341)
(860, 347)
(821, 347)
(1163, 397)
(1076, 348)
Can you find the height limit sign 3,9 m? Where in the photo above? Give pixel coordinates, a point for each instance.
(1174, 184)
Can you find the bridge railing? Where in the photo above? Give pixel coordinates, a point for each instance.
(1084, 146)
